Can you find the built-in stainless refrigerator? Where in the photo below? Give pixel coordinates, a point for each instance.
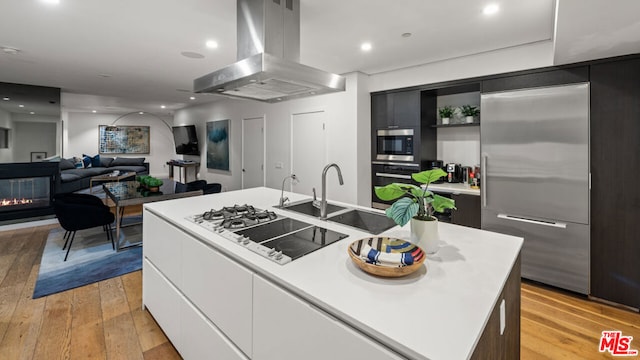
(535, 178)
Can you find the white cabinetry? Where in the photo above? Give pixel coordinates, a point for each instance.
(164, 247)
(202, 340)
(220, 288)
(201, 299)
(217, 308)
(287, 328)
(163, 301)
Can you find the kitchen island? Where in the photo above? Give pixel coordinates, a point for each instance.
(213, 297)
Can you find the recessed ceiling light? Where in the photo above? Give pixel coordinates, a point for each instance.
(52, 2)
(141, 113)
(162, 107)
(212, 44)
(94, 111)
(365, 46)
(21, 105)
(490, 9)
(32, 113)
(192, 98)
(6, 98)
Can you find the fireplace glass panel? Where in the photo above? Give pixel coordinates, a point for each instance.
(24, 193)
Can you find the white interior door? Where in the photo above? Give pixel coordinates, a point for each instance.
(252, 152)
(308, 152)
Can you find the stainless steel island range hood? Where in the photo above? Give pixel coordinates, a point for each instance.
(268, 67)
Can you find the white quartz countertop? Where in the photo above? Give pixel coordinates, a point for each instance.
(437, 312)
(454, 188)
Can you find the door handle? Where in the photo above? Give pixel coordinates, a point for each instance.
(395, 176)
(533, 221)
(483, 179)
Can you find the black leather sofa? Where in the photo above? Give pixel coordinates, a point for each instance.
(73, 179)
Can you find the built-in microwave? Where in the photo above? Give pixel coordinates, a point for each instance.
(395, 145)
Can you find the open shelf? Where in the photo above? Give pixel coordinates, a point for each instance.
(475, 123)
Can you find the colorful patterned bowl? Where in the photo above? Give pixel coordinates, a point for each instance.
(386, 257)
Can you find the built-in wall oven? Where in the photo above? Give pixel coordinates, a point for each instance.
(395, 145)
(385, 172)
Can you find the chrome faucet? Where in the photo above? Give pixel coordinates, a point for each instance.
(323, 202)
(283, 199)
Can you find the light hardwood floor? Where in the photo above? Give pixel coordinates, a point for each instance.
(105, 320)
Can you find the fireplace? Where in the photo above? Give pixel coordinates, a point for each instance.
(27, 189)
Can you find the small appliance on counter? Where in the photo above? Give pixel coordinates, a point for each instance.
(454, 173)
(466, 174)
(434, 164)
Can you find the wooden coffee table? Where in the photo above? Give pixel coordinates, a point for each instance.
(110, 178)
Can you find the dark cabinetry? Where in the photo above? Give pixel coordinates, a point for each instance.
(497, 342)
(411, 110)
(396, 110)
(537, 79)
(615, 192)
(468, 210)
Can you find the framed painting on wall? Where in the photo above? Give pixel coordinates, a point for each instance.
(218, 145)
(123, 139)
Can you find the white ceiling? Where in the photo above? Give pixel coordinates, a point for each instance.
(124, 55)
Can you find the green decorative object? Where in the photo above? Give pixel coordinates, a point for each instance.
(414, 201)
(446, 112)
(468, 110)
(149, 182)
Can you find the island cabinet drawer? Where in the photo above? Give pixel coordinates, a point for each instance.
(202, 340)
(163, 301)
(221, 289)
(287, 328)
(162, 246)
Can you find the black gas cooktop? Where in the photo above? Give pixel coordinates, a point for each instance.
(273, 236)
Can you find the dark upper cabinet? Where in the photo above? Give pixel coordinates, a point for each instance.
(537, 79)
(379, 113)
(615, 192)
(396, 110)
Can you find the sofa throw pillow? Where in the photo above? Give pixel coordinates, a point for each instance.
(77, 162)
(128, 162)
(86, 161)
(66, 164)
(105, 161)
(95, 160)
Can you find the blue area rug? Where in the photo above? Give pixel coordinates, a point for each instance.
(91, 259)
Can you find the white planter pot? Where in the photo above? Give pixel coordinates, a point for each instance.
(425, 235)
(445, 121)
(469, 119)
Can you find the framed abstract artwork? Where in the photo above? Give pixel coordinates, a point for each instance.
(218, 145)
(123, 139)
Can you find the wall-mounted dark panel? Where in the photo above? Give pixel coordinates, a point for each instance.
(537, 79)
(615, 192)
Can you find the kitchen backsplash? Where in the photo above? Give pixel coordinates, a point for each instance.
(459, 145)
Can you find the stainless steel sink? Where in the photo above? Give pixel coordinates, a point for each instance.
(306, 207)
(370, 222)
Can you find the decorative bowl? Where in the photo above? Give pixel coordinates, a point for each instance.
(386, 257)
